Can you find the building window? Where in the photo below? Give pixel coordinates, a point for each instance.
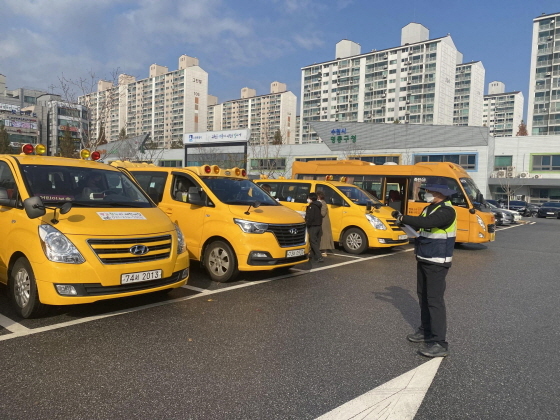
(502, 162)
(268, 163)
(310, 159)
(546, 163)
(378, 160)
(467, 162)
(171, 163)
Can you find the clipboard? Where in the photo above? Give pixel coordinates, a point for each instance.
(410, 231)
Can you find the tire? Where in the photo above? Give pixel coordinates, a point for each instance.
(355, 241)
(23, 291)
(220, 262)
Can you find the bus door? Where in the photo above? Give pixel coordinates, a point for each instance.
(395, 193)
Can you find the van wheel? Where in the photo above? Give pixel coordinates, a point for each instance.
(354, 241)
(220, 262)
(23, 291)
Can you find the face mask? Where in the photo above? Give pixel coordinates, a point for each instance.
(429, 197)
(309, 200)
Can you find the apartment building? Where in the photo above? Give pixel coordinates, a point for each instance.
(543, 114)
(412, 83)
(503, 111)
(266, 115)
(165, 105)
(469, 94)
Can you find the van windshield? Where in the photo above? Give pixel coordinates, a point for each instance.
(88, 187)
(358, 196)
(235, 191)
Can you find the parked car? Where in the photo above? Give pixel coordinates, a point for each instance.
(531, 210)
(518, 205)
(549, 209)
(503, 216)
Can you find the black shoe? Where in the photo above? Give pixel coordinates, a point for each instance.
(320, 260)
(418, 337)
(434, 350)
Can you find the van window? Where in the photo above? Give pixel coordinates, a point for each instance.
(293, 193)
(83, 186)
(8, 182)
(181, 186)
(331, 196)
(418, 183)
(153, 183)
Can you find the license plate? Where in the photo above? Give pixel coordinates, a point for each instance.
(403, 237)
(550, 212)
(295, 253)
(140, 276)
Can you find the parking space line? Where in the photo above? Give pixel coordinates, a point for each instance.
(196, 289)
(512, 226)
(19, 330)
(346, 255)
(12, 325)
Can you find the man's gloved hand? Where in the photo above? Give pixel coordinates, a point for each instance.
(396, 214)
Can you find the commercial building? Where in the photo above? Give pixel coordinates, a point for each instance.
(503, 111)
(412, 83)
(164, 105)
(266, 115)
(469, 94)
(543, 114)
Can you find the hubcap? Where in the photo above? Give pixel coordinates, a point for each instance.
(219, 261)
(22, 288)
(354, 241)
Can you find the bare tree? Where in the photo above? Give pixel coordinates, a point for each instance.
(268, 156)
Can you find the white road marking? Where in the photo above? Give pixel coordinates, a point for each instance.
(12, 325)
(22, 331)
(513, 226)
(346, 255)
(398, 399)
(196, 289)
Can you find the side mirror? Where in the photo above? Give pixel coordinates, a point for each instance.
(472, 210)
(369, 206)
(480, 198)
(194, 197)
(34, 207)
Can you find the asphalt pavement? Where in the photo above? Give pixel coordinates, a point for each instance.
(297, 345)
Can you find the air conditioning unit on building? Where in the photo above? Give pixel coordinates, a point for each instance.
(524, 175)
(548, 74)
(500, 174)
(371, 88)
(510, 168)
(510, 174)
(537, 176)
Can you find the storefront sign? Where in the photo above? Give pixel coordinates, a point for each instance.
(217, 136)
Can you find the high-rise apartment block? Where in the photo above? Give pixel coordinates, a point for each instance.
(266, 115)
(412, 83)
(165, 105)
(469, 94)
(503, 111)
(543, 114)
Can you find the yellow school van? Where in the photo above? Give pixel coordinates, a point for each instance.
(230, 224)
(78, 231)
(358, 220)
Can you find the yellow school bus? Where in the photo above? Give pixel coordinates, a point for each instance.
(78, 231)
(400, 187)
(230, 224)
(358, 221)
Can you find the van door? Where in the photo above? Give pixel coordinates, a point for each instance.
(337, 209)
(395, 196)
(11, 215)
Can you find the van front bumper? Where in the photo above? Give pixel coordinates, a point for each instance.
(269, 261)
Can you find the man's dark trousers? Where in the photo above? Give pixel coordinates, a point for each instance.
(315, 240)
(430, 288)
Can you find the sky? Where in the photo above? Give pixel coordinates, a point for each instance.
(248, 43)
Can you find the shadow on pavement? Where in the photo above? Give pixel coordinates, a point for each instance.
(402, 300)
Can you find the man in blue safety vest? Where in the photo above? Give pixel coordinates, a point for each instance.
(437, 229)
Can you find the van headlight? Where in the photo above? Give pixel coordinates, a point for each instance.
(251, 227)
(376, 222)
(181, 246)
(481, 222)
(57, 247)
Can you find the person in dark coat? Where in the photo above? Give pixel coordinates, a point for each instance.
(314, 221)
(437, 226)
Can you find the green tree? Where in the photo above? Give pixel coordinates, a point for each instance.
(397, 121)
(277, 137)
(4, 140)
(66, 145)
(122, 134)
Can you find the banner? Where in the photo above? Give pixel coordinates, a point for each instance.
(217, 136)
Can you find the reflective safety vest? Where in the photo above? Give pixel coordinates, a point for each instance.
(436, 245)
